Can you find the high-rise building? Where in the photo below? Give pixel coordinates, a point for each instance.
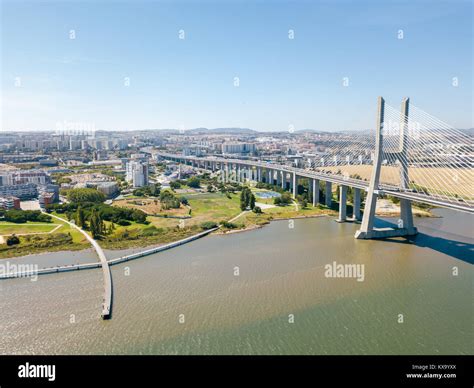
(238, 148)
(137, 173)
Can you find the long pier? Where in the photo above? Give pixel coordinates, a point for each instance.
(107, 302)
(105, 264)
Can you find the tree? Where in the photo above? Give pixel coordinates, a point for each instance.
(252, 201)
(247, 199)
(96, 225)
(257, 210)
(22, 216)
(243, 199)
(80, 217)
(168, 200)
(175, 185)
(85, 195)
(194, 182)
(155, 189)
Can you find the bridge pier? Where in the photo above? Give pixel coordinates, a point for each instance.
(315, 191)
(356, 205)
(406, 217)
(328, 194)
(295, 185)
(222, 174)
(342, 204)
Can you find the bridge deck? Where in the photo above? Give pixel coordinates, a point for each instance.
(459, 205)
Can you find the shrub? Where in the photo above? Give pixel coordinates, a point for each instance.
(13, 240)
(228, 225)
(208, 225)
(168, 200)
(175, 185)
(285, 198)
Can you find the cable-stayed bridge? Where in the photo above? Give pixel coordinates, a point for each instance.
(411, 155)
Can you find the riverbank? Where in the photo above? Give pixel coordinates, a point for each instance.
(120, 248)
(206, 208)
(387, 208)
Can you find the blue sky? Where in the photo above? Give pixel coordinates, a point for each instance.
(176, 83)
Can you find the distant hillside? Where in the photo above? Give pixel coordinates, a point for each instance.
(469, 132)
(229, 131)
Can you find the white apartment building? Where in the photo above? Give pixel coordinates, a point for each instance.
(137, 173)
(238, 148)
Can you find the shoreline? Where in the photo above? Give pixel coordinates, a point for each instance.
(220, 232)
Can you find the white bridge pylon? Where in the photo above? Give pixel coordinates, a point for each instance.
(405, 224)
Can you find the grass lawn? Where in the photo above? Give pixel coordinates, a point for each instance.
(204, 207)
(214, 207)
(77, 237)
(7, 228)
(58, 240)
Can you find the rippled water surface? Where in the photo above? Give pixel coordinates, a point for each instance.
(281, 275)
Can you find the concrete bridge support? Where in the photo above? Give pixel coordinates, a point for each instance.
(315, 191)
(295, 185)
(342, 204)
(406, 217)
(405, 227)
(328, 194)
(356, 205)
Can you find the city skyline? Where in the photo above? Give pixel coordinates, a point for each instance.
(155, 65)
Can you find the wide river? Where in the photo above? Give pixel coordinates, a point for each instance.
(258, 292)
